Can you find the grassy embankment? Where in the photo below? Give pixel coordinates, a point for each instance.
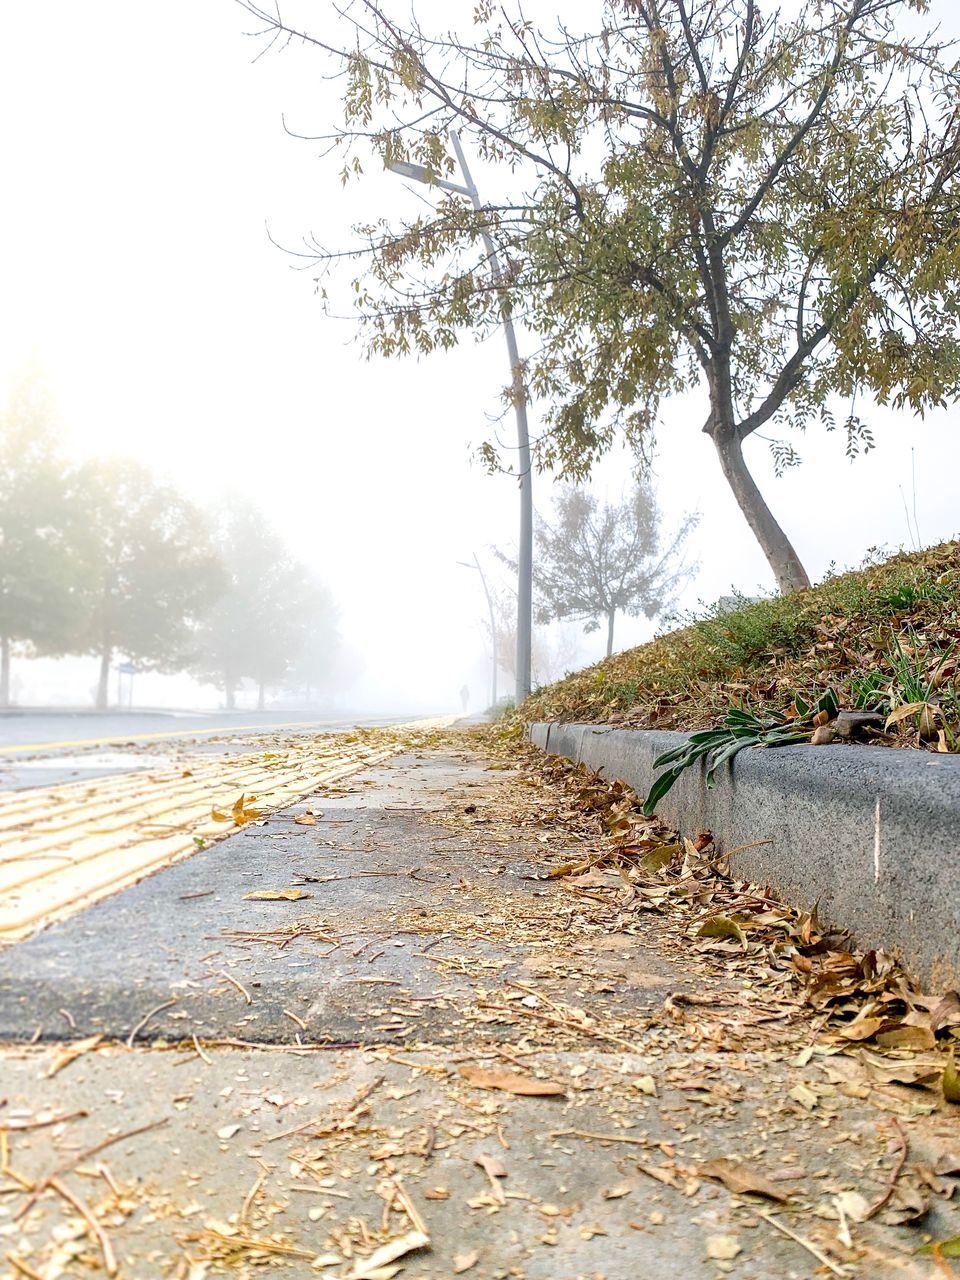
(883, 637)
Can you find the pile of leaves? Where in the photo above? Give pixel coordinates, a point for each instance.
(885, 638)
(868, 1008)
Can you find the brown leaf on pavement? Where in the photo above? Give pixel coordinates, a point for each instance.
(71, 1052)
(464, 1261)
(367, 1268)
(909, 1071)
(742, 1179)
(723, 1248)
(511, 1082)
(276, 895)
(662, 1173)
(946, 1013)
(491, 1166)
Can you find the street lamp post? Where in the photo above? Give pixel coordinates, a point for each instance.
(493, 626)
(525, 552)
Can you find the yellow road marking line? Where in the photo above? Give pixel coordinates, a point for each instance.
(67, 846)
(167, 733)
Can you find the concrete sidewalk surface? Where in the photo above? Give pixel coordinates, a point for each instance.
(380, 1043)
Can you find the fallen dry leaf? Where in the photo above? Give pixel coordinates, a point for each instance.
(71, 1052)
(616, 1193)
(722, 927)
(511, 1082)
(366, 1268)
(909, 1071)
(276, 895)
(804, 1095)
(590, 1229)
(741, 1179)
(464, 1261)
(853, 1205)
(723, 1248)
(661, 1173)
(907, 1205)
(491, 1166)
(946, 1013)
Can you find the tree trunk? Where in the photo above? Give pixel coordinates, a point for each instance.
(776, 546)
(610, 617)
(103, 689)
(261, 697)
(231, 695)
(4, 671)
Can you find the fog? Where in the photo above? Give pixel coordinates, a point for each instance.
(148, 175)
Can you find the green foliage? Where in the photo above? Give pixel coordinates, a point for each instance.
(595, 560)
(741, 728)
(37, 568)
(915, 680)
(869, 691)
(149, 570)
(756, 206)
(738, 636)
(272, 615)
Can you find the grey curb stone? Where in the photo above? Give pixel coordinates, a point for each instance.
(871, 834)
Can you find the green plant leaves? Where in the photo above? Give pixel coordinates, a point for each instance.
(715, 747)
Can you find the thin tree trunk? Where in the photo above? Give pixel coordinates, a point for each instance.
(776, 546)
(103, 689)
(610, 618)
(4, 671)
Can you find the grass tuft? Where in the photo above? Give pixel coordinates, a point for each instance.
(883, 637)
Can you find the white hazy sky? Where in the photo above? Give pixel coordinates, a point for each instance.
(143, 158)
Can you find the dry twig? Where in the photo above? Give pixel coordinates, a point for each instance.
(93, 1226)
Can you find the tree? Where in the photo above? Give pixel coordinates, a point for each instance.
(151, 572)
(321, 662)
(37, 597)
(270, 608)
(597, 560)
(755, 202)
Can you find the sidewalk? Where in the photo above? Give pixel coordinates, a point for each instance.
(457, 1067)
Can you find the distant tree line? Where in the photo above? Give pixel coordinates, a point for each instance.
(102, 559)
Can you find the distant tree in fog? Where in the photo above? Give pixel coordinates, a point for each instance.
(37, 595)
(271, 615)
(596, 560)
(321, 664)
(150, 571)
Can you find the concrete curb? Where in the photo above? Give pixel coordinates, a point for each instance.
(871, 834)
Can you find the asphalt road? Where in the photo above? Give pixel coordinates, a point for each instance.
(31, 732)
(41, 749)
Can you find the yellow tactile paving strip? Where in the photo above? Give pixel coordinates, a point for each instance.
(64, 847)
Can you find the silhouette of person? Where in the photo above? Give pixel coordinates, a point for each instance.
(465, 696)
